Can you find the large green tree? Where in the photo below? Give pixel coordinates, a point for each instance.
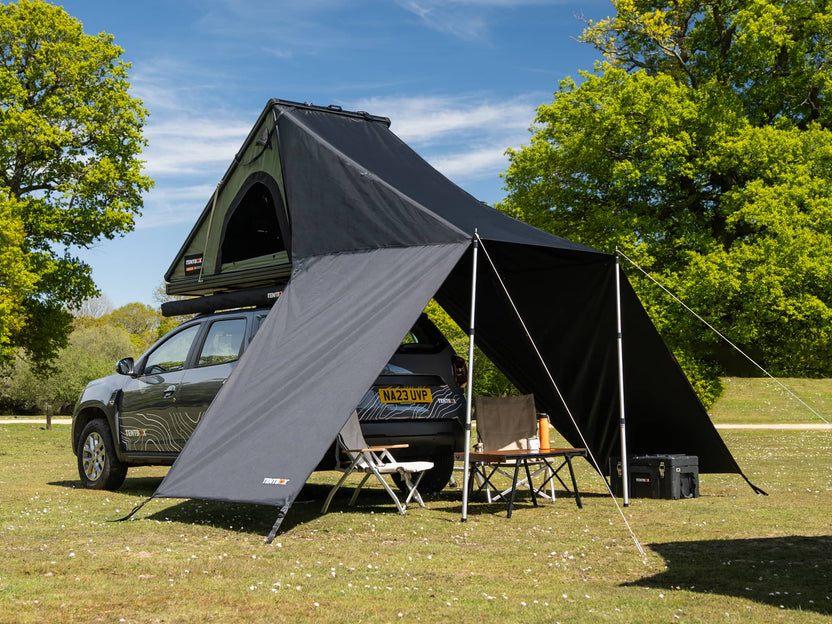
(488, 379)
(70, 138)
(702, 148)
(92, 351)
(144, 323)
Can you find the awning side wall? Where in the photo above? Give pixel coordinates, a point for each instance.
(664, 413)
(568, 306)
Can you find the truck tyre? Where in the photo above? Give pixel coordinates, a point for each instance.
(98, 466)
(435, 479)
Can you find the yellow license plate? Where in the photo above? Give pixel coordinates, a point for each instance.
(405, 395)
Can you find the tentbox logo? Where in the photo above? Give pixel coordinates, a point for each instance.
(274, 481)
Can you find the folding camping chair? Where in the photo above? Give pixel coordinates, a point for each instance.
(374, 461)
(506, 423)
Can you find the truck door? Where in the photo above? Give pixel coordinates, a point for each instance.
(218, 354)
(149, 404)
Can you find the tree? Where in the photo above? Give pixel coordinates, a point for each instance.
(143, 322)
(92, 308)
(91, 352)
(488, 380)
(70, 137)
(702, 149)
(15, 278)
(772, 55)
(168, 323)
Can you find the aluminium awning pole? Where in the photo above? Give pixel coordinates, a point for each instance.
(470, 396)
(625, 482)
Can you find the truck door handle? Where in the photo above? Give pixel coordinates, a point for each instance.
(169, 392)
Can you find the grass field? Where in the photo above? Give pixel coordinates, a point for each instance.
(764, 401)
(728, 556)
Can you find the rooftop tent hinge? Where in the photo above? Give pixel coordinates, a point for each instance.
(264, 138)
(264, 142)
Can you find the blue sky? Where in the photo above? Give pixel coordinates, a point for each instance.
(460, 80)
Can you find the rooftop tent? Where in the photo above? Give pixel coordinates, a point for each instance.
(241, 239)
(372, 232)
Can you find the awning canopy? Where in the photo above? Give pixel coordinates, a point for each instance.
(375, 233)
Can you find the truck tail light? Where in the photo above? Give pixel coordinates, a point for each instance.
(460, 371)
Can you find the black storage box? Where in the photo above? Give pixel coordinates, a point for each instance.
(658, 476)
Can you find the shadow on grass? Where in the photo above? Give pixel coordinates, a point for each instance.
(793, 572)
(248, 518)
(66, 484)
(479, 506)
(140, 486)
(256, 519)
(253, 519)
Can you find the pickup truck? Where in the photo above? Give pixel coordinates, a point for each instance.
(145, 412)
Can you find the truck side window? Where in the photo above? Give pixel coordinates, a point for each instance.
(223, 343)
(171, 354)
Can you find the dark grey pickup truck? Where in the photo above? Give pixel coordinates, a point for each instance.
(145, 413)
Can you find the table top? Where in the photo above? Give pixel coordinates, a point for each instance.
(500, 456)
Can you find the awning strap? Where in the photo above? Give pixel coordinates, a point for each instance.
(280, 516)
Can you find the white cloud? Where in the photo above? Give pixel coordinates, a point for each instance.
(284, 29)
(439, 126)
(430, 119)
(175, 205)
(193, 146)
(447, 18)
(468, 20)
(472, 164)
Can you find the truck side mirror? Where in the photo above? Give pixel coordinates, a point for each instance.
(125, 366)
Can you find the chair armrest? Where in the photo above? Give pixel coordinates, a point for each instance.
(376, 449)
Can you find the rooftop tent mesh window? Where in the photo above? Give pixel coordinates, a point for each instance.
(252, 235)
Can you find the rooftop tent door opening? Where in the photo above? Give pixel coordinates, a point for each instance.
(252, 235)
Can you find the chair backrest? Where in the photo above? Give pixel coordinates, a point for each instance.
(505, 423)
(350, 437)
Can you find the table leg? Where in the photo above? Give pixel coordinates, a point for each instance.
(513, 488)
(529, 478)
(574, 483)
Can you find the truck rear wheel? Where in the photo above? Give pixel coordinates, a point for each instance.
(98, 466)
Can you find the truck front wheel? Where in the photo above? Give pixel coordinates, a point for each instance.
(98, 466)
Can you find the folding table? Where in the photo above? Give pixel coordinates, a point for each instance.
(480, 459)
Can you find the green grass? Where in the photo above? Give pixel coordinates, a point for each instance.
(764, 401)
(727, 556)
